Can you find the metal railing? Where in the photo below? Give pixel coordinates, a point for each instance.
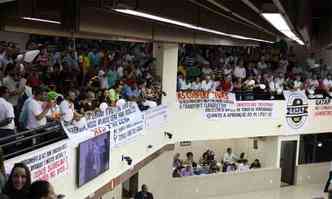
(29, 140)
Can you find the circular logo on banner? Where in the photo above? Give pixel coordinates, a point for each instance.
(297, 110)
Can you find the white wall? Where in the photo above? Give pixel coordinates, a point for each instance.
(20, 39)
(316, 173)
(116, 193)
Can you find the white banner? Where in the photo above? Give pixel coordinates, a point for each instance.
(242, 109)
(124, 123)
(46, 163)
(156, 117)
(321, 108)
(296, 109)
(204, 99)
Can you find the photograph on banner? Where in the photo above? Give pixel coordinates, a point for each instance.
(321, 108)
(243, 109)
(156, 117)
(204, 99)
(125, 121)
(296, 109)
(47, 163)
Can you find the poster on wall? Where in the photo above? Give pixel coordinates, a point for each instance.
(296, 109)
(243, 109)
(204, 99)
(47, 163)
(322, 108)
(124, 124)
(156, 117)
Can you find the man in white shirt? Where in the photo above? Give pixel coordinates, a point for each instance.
(36, 112)
(229, 157)
(207, 84)
(67, 109)
(326, 189)
(7, 124)
(311, 61)
(240, 72)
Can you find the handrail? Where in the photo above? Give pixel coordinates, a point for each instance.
(9, 142)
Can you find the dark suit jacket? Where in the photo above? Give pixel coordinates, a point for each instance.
(140, 195)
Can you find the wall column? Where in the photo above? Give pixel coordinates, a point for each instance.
(167, 59)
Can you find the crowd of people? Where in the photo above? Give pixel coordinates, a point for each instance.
(18, 184)
(207, 164)
(251, 72)
(61, 79)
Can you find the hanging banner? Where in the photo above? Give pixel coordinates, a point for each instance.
(296, 109)
(156, 117)
(47, 163)
(243, 109)
(124, 123)
(204, 99)
(321, 108)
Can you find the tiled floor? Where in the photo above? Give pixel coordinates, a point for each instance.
(292, 192)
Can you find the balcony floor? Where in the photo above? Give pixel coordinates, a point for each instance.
(290, 192)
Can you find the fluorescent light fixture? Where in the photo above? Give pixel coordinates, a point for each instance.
(183, 24)
(41, 20)
(278, 21)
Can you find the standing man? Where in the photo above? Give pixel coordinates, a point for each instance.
(144, 194)
(326, 189)
(7, 125)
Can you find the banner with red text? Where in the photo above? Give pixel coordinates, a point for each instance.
(242, 109)
(47, 163)
(321, 108)
(204, 99)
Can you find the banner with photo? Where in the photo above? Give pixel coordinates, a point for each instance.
(124, 123)
(204, 99)
(156, 117)
(296, 109)
(242, 109)
(47, 163)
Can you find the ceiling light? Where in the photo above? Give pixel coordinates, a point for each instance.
(183, 24)
(279, 22)
(41, 20)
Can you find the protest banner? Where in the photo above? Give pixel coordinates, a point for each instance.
(124, 123)
(243, 109)
(156, 117)
(47, 163)
(204, 99)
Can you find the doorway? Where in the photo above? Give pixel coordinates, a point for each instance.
(130, 187)
(288, 162)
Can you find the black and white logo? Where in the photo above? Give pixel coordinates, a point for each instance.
(297, 109)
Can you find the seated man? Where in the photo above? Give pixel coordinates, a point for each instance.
(242, 158)
(255, 165)
(229, 160)
(190, 160)
(230, 157)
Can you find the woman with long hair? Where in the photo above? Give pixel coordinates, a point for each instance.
(19, 182)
